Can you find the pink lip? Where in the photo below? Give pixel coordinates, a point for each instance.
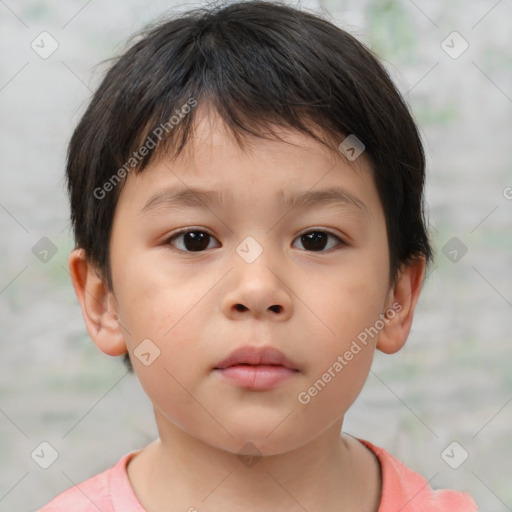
(258, 368)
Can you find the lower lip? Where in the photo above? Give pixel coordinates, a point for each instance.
(257, 377)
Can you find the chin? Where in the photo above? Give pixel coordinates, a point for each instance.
(253, 439)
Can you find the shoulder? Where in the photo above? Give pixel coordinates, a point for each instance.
(90, 495)
(96, 493)
(407, 491)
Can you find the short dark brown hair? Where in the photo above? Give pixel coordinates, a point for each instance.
(257, 64)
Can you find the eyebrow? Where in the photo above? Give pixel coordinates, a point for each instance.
(187, 197)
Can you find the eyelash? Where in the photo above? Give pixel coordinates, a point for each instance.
(170, 239)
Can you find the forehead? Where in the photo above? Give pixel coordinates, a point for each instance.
(294, 170)
(211, 137)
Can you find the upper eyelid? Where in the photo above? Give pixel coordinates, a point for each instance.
(308, 230)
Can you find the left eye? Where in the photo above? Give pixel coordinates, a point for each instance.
(194, 240)
(317, 240)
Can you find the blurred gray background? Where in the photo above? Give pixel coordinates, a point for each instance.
(451, 383)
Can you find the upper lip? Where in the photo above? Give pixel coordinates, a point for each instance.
(256, 356)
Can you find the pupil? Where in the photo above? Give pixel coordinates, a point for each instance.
(196, 240)
(316, 240)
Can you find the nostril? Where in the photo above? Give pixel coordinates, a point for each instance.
(276, 308)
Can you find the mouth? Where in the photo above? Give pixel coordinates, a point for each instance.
(257, 368)
(256, 356)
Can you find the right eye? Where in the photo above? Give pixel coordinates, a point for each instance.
(192, 240)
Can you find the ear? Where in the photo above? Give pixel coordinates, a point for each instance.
(98, 305)
(400, 306)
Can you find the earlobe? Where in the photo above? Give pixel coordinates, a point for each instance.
(98, 305)
(401, 304)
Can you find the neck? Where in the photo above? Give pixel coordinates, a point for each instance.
(329, 473)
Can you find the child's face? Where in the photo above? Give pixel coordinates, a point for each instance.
(198, 300)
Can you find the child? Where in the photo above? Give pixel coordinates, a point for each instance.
(279, 139)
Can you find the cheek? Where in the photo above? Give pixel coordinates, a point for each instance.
(150, 303)
(346, 312)
(343, 356)
(347, 302)
(171, 313)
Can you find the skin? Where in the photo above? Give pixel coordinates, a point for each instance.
(188, 304)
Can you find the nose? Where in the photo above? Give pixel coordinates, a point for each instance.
(258, 290)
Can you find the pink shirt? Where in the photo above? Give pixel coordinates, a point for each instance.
(402, 490)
